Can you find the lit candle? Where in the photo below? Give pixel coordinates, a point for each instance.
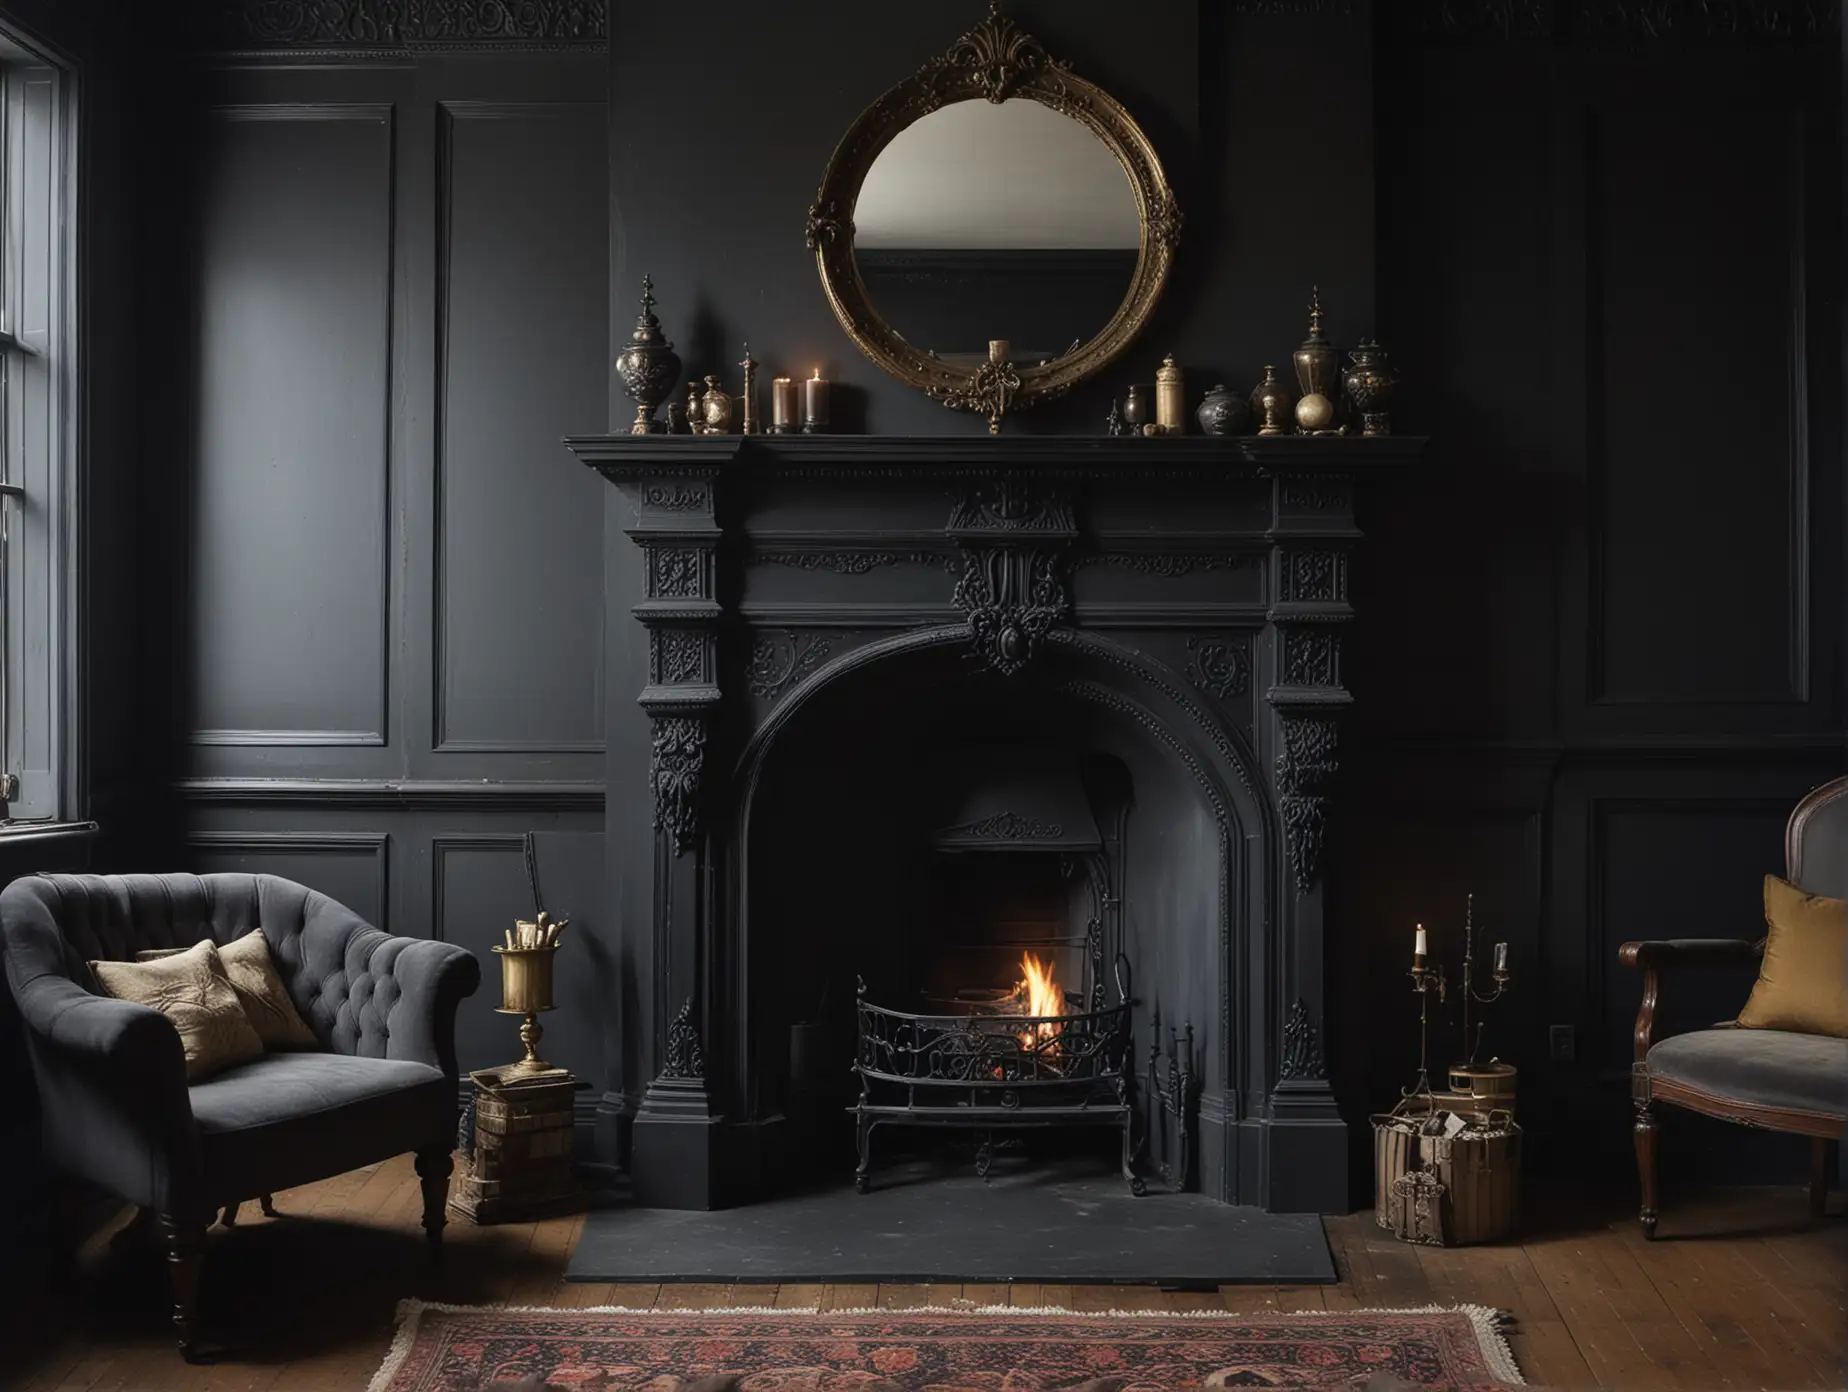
(782, 406)
(1501, 959)
(1419, 948)
(815, 405)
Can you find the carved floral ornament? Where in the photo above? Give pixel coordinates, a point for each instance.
(995, 61)
(401, 23)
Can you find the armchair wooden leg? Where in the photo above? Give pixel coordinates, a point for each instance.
(268, 1204)
(433, 1166)
(185, 1254)
(1646, 1166)
(1821, 1162)
(230, 1218)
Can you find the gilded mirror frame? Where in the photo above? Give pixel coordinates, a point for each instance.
(994, 61)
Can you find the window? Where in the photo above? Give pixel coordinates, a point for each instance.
(37, 666)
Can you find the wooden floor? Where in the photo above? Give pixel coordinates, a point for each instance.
(1741, 1291)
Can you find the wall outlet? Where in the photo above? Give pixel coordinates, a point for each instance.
(1561, 1043)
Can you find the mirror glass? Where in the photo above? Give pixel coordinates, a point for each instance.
(983, 221)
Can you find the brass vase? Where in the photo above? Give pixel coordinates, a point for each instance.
(649, 366)
(715, 409)
(1369, 382)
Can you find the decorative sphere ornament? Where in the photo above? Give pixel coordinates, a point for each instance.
(1315, 412)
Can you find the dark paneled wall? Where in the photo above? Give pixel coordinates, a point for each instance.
(388, 662)
(1599, 653)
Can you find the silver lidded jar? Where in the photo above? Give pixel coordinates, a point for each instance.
(1223, 412)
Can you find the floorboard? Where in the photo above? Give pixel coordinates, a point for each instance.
(1741, 1290)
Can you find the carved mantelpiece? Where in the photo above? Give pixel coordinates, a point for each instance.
(1197, 588)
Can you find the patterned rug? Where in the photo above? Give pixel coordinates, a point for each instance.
(443, 1348)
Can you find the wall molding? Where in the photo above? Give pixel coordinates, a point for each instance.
(409, 794)
(384, 115)
(376, 844)
(1604, 22)
(499, 843)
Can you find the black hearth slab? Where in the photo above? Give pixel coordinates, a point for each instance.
(1028, 1227)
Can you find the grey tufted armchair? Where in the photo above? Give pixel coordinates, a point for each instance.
(111, 1075)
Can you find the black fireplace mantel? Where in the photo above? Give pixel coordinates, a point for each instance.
(1198, 586)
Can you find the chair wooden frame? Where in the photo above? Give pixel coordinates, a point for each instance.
(1655, 958)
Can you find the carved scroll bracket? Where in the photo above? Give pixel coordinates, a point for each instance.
(1014, 536)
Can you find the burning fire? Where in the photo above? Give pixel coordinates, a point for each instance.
(1038, 994)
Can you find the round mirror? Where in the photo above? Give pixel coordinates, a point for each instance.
(987, 221)
(994, 229)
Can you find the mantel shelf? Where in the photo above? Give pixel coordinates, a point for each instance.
(618, 455)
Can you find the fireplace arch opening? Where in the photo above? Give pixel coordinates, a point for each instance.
(914, 830)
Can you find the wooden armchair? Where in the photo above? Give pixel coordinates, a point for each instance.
(1774, 1079)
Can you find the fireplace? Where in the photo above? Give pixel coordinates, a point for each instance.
(918, 710)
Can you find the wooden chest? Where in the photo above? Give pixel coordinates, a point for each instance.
(522, 1167)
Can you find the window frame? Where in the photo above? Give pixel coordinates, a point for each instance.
(40, 655)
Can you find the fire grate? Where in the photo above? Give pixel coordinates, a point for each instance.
(994, 1072)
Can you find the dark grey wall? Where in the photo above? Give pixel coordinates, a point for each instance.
(1599, 650)
(385, 666)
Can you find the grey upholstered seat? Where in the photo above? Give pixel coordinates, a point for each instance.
(286, 1119)
(1772, 1068)
(111, 1076)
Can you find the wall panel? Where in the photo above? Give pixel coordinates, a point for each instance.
(1697, 441)
(352, 867)
(289, 591)
(523, 330)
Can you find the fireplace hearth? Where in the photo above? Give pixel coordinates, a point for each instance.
(918, 710)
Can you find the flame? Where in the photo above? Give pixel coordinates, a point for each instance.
(1039, 994)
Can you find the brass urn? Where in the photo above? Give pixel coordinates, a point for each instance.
(1369, 382)
(1317, 361)
(649, 366)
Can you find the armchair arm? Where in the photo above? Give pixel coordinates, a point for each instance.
(112, 1089)
(419, 983)
(1654, 957)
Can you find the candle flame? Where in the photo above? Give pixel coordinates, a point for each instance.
(817, 376)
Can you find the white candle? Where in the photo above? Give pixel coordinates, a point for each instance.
(1419, 945)
(1501, 957)
(815, 403)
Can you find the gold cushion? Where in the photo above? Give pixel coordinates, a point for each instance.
(190, 988)
(1800, 982)
(265, 999)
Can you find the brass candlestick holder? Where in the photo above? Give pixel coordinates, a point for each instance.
(1491, 1084)
(526, 983)
(1425, 980)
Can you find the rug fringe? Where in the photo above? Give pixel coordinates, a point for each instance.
(407, 1316)
(1485, 1320)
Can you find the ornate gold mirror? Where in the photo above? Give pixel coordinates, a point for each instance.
(994, 230)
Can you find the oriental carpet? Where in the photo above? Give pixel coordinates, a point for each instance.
(1000, 1349)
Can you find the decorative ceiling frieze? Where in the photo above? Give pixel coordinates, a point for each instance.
(1593, 23)
(399, 24)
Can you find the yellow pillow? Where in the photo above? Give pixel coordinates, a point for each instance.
(190, 988)
(1800, 982)
(265, 999)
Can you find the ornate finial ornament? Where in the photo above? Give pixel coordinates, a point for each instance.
(998, 55)
(1315, 314)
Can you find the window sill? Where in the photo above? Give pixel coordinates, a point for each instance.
(32, 833)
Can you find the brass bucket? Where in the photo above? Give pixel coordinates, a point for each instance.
(526, 979)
